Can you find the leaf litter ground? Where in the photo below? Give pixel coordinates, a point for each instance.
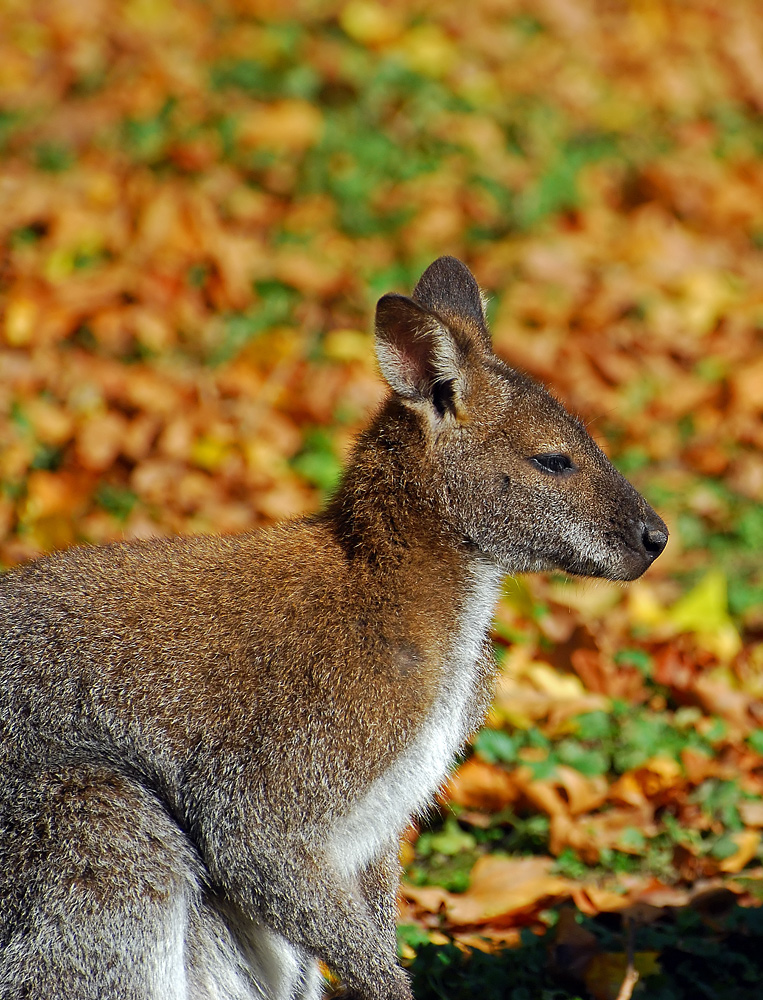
(200, 203)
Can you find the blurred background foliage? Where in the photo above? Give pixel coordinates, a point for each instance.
(199, 205)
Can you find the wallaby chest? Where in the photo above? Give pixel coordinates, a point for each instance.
(409, 782)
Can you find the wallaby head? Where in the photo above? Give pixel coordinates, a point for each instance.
(512, 472)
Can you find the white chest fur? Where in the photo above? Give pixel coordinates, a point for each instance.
(409, 785)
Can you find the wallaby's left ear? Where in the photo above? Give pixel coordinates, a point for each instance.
(420, 356)
(448, 288)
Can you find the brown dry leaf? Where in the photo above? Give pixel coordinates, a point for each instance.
(50, 494)
(628, 791)
(583, 793)
(659, 774)
(99, 440)
(588, 835)
(52, 423)
(488, 939)
(289, 125)
(600, 674)
(479, 785)
(699, 766)
(568, 792)
(430, 898)
(310, 273)
(747, 386)
(592, 899)
(751, 813)
(501, 888)
(574, 945)
(717, 698)
(148, 391)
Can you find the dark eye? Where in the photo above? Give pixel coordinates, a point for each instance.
(554, 464)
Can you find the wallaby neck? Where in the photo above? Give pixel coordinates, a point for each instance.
(428, 584)
(388, 509)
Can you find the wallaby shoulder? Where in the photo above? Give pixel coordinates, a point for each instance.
(232, 641)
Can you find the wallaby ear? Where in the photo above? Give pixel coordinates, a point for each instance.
(419, 355)
(448, 288)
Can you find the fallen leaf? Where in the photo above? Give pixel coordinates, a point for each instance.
(500, 888)
(479, 785)
(747, 842)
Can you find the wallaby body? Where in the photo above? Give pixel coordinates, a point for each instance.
(210, 746)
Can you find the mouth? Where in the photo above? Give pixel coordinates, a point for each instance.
(630, 566)
(628, 562)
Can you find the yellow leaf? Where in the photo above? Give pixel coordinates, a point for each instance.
(747, 842)
(708, 294)
(370, 23)
(704, 607)
(348, 345)
(20, 318)
(751, 812)
(286, 126)
(51, 422)
(554, 683)
(406, 854)
(428, 50)
(644, 608)
(704, 611)
(209, 452)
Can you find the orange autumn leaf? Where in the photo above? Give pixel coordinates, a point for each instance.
(500, 888)
(479, 785)
(567, 792)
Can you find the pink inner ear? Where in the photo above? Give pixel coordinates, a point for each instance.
(407, 362)
(416, 354)
(409, 366)
(405, 344)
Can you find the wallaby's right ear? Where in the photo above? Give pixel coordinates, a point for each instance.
(419, 356)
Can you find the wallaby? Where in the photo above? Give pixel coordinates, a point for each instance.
(211, 746)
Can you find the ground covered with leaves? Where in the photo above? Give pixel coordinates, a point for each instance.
(199, 204)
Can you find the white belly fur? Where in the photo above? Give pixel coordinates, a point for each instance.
(409, 786)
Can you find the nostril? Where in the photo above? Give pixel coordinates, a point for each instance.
(654, 540)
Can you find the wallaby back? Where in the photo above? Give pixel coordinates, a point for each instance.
(210, 746)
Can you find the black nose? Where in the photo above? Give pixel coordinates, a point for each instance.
(654, 539)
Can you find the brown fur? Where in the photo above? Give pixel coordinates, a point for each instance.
(186, 723)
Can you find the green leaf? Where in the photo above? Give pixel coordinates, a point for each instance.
(594, 726)
(117, 500)
(317, 462)
(452, 839)
(495, 746)
(54, 157)
(584, 759)
(638, 658)
(723, 848)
